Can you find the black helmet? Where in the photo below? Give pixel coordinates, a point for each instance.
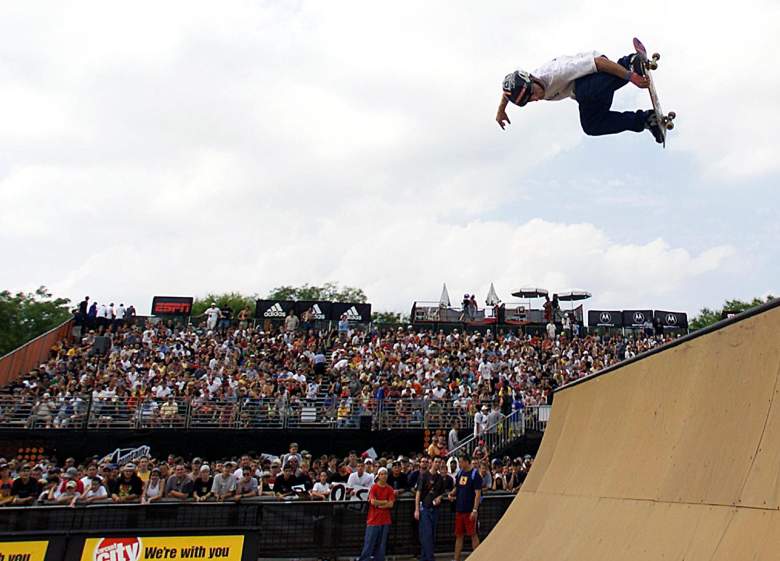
(513, 85)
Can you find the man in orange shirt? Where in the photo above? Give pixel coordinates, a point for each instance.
(381, 499)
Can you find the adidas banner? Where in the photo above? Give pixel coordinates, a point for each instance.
(605, 318)
(320, 310)
(672, 320)
(636, 318)
(273, 309)
(360, 313)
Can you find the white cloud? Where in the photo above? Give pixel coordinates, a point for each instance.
(185, 148)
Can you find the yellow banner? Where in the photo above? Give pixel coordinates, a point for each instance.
(196, 548)
(23, 551)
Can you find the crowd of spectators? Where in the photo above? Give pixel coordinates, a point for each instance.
(157, 368)
(295, 475)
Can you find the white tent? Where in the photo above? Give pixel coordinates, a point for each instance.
(492, 298)
(444, 299)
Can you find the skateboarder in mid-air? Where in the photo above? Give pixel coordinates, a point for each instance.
(591, 79)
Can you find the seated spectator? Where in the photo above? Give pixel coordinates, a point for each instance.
(6, 498)
(179, 485)
(127, 487)
(50, 491)
(153, 488)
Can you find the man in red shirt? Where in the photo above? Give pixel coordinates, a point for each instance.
(381, 499)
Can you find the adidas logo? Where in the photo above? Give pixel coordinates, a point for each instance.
(353, 315)
(275, 311)
(317, 313)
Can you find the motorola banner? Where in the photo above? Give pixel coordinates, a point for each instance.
(321, 311)
(605, 318)
(672, 320)
(636, 318)
(360, 313)
(171, 306)
(273, 309)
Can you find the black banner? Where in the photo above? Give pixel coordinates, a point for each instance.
(171, 306)
(672, 320)
(636, 318)
(605, 318)
(360, 313)
(273, 309)
(321, 310)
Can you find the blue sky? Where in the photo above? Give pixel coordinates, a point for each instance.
(179, 149)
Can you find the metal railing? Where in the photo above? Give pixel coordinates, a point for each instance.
(96, 412)
(507, 430)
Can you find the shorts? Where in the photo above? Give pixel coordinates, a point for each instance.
(464, 525)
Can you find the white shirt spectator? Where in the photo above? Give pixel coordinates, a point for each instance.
(323, 488)
(356, 481)
(212, 315)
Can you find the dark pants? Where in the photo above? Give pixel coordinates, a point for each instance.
(374, 543)
(428, 518)
(594, 94)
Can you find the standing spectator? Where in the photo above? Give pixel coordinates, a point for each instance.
(226, 314)
(224, 485)
(467, 494)
(550, 330)
(120, 315)
(212, 316)
(491, 423)
(381, 499)
(291, 322)
(452, 438)
(480, 421)
(292, 454)
(360, 478)
(431, 487)
(201, 487)
(179, 485)
(243, 318)
(24, 489)
(153, 488)
(127, 487)
(82, 318)
(343, 325)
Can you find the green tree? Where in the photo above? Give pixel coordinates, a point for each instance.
(26, 315)
(330, 291)
(389, 317)
(233, 300)
(707, 316)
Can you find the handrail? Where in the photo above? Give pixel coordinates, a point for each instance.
(502, 430)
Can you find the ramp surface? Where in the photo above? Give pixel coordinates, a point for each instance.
(674, 455)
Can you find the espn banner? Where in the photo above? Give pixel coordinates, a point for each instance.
(200, 548)
(672, 320)
(172, 306)
(605, 318)
(23, 551)
(636, 318)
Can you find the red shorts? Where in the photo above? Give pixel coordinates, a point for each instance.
(464, 525)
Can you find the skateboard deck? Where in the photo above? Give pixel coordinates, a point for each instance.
(666, 121)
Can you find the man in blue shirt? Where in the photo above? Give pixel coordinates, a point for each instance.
(467, 495)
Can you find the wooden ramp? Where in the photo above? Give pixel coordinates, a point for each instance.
(674, 455)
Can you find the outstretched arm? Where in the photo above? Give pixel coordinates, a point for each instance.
(501, 114)
(607, 66)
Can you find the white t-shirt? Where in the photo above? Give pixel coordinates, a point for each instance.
(321, 488)
(356, 481)
(559, 74)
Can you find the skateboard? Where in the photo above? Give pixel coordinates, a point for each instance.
(650, 64)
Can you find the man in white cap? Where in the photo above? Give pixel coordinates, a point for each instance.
(212, 315)
(480, 420)
(381, 499)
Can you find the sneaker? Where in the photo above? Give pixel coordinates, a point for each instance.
(654, 127)
(635, 64)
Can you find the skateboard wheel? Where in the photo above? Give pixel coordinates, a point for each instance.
(672, 115)
(669, 126)
(653, 66)
(655, 56)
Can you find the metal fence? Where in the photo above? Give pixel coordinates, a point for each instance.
(322, 529)
(110, 412)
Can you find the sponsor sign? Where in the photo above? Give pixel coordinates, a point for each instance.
(605, 318)
(171, 306)
(672, 320)
(273, 309)
(360, 313)
(321, 311)
(208, 548)
(636, 318)
(23, 551)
